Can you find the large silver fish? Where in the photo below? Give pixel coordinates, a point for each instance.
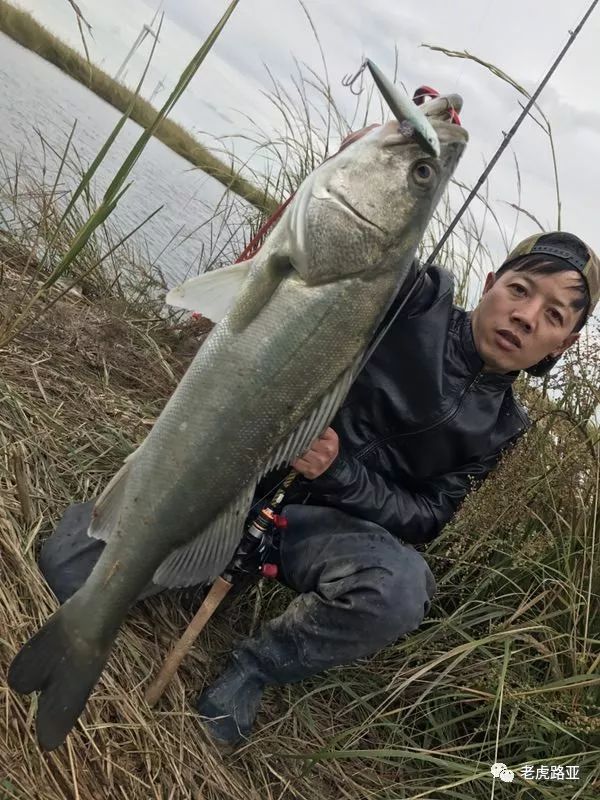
(264, 385)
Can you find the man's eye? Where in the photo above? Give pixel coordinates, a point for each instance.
(518, 289)
(555, 316)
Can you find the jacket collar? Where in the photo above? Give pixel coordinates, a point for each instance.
(474, 361)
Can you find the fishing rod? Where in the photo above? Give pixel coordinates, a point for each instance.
(508, 136)
(250, 556)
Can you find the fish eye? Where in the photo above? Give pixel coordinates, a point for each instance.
(423, 173)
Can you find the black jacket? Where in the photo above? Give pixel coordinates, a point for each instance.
(422, 421)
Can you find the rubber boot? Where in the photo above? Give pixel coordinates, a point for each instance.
(229, 706)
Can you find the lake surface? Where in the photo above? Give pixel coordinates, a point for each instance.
(36, 95)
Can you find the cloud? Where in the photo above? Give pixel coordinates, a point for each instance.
(520, 36)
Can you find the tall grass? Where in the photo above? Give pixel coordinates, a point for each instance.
(84, 229)
(504, 668)
(23, 28)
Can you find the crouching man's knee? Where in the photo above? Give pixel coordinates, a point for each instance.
(404, 591)
(69, 555)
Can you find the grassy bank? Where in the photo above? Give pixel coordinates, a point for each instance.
(505, 666)
(23, 28)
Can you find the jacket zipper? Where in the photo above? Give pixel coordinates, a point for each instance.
(450, 415)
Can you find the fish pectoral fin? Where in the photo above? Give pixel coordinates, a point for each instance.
(107, 509)
(299, 441)
(211, 293)
(205, 557)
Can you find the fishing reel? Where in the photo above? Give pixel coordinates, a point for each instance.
(260, 539)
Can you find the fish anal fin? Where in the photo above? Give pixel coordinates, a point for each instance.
(313, 425)
(206, 556)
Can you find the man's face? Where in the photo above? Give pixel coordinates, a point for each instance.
(524, 317)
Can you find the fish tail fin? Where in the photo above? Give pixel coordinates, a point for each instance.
(64, 667)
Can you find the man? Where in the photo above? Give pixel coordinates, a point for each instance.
(430, 413)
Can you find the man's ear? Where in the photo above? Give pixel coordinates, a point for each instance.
(489, 282)
(568, 342)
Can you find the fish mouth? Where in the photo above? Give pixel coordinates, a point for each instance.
(448, 132)
(510, 337)
(441, 107)
(337, 197)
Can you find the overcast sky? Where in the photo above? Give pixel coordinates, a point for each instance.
(522, 37)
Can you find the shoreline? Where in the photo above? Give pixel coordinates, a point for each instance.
(24, 30)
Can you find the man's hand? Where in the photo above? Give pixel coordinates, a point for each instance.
(321, 455)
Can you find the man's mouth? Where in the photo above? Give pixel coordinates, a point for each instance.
(509, 338)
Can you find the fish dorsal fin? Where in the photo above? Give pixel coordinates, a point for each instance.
(212, 293)
(205, 557)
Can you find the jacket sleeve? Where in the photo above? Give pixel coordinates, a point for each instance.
(414, 517)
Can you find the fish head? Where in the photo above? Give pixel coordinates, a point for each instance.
(367, 207)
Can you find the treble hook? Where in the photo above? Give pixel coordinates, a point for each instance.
(348, 79)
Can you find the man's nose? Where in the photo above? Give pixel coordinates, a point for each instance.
(527, 315)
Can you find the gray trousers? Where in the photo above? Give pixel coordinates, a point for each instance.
(359, 588)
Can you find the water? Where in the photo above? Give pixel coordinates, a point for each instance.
(35, 94)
